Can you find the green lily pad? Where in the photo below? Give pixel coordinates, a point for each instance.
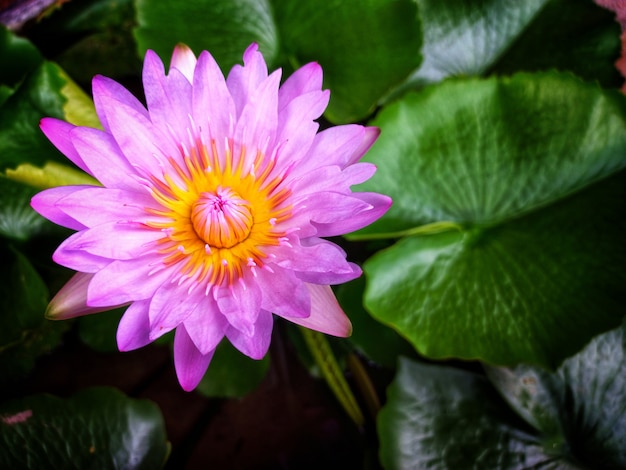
(375, 340)
(232, 374)
(18, 220)
(17, 57)
(464, 37)
(96, 428)
(533, 268)
(366, 48)
(445, 418)
(223, 27)
(24, 332)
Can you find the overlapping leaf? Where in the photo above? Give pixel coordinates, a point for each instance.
(503, 161)
(445, 418)
(96, 428)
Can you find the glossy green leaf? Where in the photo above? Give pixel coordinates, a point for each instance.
(365, 48)
(232, 374)
(464, 37)
(96, 428)
(575, 35)
(18, 220)
(90, 37)
(580, 409)
(17, 57)
(24, 332)
(375, 340)
(99, 331)
(443, 418)
(532, 255)
(38, 96)
(223, 27)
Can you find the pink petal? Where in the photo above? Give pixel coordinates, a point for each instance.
(191, 364)
(327, 208)
(243, 81)
(256, 126)
(103, 157)
(70, 301)
(283, 293)
(307, 78)
(114, 240)
(213, 107)
(184, 60)
(317, 255)
(240, 303)
(329, 277)
(46, 201)
(378, 205)
(126, 281)
(134, 327)
(95, 206)
(257, 344)
(171, 305)
(296, 125)
(326, 314)
(206, 326)
(168, 97)
(58, 132)
(142, 143)
(79, 260)
(105, 90)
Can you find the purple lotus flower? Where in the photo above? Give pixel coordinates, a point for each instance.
(211, 209)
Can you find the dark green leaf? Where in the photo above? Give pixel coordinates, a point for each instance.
(38, 96)
(365, 47)
(223, 27)
(96, 428)
(232, 374)
(442, 418)
(17, 57)
(99, 331)
(574, 35)
(24, 332)
(17, 219)
(582, 405)
(519, 277)
(377, 341)
(464, 37)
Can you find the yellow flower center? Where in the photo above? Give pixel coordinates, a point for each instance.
(218, 216)
(222, 219)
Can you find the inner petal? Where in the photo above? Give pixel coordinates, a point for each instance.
(222, 218)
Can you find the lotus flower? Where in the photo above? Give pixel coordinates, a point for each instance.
(213, 201)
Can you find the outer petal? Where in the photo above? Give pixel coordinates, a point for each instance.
(283, 293)
(142, 143)
(326, 314)
(213, 107)
(168, 97)
(240, 303)
(190, 363)
(70, 301)
(113, 240)
(243, 81)
(79, 260)
(257, 344)
(58, 132)
(378, 205)
(327, 208)
(206, 325)
(307, 78)
(171, 305)
(184, 60)
(46, 201)
(105, 160)
(134, 327)
(126, 281)
(105, 90)
(94, 206)
(256, 126)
